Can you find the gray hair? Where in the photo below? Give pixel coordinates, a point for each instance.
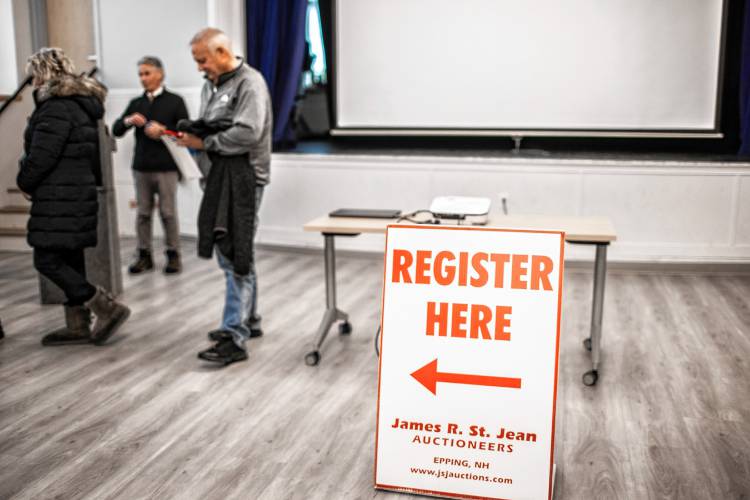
(151, 61)
(49, 63)
(213, 38)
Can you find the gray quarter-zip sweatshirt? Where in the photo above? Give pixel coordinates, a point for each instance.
(242, 96)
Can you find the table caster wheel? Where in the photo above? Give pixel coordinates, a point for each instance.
(312, 358)
(587, 344)
(345, 328)
(590, 378)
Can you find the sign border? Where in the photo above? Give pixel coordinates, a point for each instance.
(404, 489)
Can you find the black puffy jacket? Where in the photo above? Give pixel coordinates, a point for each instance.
(60, 168)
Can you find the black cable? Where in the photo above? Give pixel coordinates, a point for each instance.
(410, 217)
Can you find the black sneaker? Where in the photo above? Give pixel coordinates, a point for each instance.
(225, 352)
(253, 324)
(143, 263)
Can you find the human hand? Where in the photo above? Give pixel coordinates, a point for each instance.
(136, 119)
(190, 141)
(154, 130)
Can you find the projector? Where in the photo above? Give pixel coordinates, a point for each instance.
(461, 209)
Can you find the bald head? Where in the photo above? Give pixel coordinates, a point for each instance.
(212, 51)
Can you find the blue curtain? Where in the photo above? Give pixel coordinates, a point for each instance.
(745, 85)
(276, 47)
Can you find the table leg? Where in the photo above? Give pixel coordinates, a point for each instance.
(597, 310)
(333, 313)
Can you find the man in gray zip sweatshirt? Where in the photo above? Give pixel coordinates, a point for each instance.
(235, 92)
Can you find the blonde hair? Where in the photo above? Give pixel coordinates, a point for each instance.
(49, 63)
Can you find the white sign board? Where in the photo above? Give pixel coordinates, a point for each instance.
(468, 363)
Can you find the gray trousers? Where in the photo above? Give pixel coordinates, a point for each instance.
(147, 186)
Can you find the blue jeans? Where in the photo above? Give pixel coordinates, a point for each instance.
(241, 299)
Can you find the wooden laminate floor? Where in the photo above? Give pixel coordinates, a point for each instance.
(143, 418)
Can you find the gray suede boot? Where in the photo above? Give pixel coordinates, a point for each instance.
(77, 328)
(110, 315)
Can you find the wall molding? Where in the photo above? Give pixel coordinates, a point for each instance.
(304, 186)
(663, 212)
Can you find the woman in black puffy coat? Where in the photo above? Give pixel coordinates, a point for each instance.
(59, 173)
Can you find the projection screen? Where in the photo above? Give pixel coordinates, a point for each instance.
(500, 66)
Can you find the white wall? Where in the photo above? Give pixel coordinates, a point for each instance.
(129, 30)
(697, 212)
(662, 211)
(8, 72)
(22, 31)
(12, 125)
(229, 16)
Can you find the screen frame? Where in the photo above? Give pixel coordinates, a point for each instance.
(337, 130)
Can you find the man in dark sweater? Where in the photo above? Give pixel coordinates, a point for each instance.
(154, 170)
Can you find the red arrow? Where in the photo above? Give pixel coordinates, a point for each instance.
(428, 376)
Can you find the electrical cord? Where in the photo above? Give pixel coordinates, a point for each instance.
(410, 217)
(433, 220)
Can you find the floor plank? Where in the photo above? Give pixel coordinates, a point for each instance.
(143, 418)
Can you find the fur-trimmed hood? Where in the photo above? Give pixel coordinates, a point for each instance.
(69, 85)
(88, 92)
